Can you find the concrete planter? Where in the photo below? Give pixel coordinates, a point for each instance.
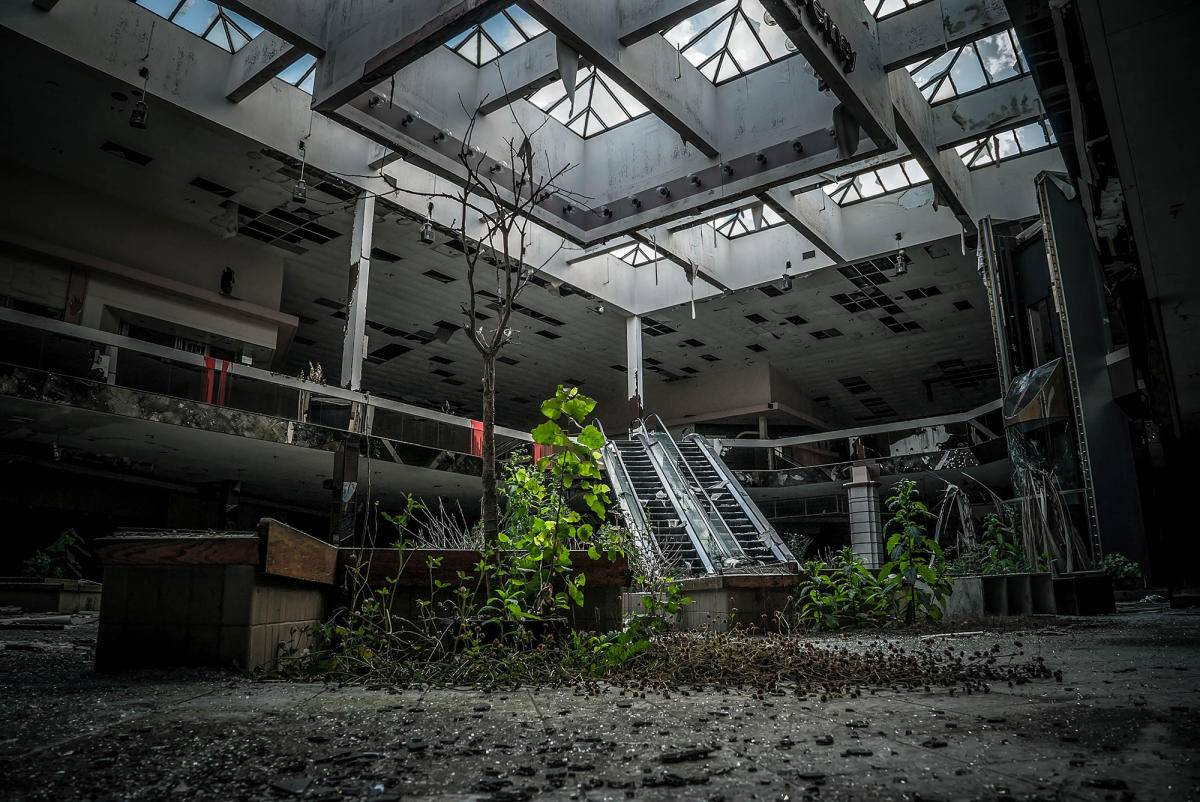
(722, 602)
(49, 595)
(410, 577)
(981, 596)
(211, 599)
(1084, 593)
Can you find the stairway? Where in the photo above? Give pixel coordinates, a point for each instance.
(726, 503)
(664, 520)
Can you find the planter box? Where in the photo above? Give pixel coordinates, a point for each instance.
(210, 599)
(725, 601)
(1084, 593)
(49, 595)
(981, 596)
(411, 579)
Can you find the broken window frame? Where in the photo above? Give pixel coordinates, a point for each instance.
(458, 43)
(716, 60)
(985, 151)
(587, 79)
(931, 86)
(839, 190)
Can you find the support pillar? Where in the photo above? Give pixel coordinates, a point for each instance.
(866, 528)
(344, 495)
(354, 343)
(634, 371)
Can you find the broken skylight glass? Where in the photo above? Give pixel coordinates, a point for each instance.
(876, 181)
(598, 106)
(730, 39)
(301, 72)
(746, 221)
(637, 254)
(1007, 144)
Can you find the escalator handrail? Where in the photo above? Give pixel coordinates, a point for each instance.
(708, 502)
(765, 530)
(641, 525)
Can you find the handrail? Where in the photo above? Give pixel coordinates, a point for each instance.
(99, 337)
(632, 510)
(684, 519)
(883, 428)
(735, 489)
(731, 549)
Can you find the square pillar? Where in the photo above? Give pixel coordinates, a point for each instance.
(634, 374)
(866, 528)
(354, 336)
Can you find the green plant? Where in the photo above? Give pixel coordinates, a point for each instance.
(59, 560)
(530, 569)
(916, 567)
(799, 545)
(608, 651)
(1125, 573)
(841, 593)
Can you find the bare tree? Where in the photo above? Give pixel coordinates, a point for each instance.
(503, 193)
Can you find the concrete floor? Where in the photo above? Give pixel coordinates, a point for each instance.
(1121, 725)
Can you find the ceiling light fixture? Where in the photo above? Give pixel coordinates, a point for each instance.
(140, 112)
(785, 281)
(300, 191)
(901, 258)
(427, 227)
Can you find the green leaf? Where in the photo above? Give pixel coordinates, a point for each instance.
(549, 434)
(591, 437)
(552, 408)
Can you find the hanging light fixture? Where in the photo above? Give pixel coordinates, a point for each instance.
(427, 227)
(141, 112)
(300, 191)
(901, 259)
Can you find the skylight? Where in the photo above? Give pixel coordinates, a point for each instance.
(637, 254)
(746, 221)
(730, 39)
(1007, 145)
(301, 72)
(226, 29)
(984, 62)
(876, 181)
(495, 36)
(599, 103)
(885, 8)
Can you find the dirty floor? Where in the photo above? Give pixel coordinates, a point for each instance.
(1122, 724)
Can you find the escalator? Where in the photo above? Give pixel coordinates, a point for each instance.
(684, 505)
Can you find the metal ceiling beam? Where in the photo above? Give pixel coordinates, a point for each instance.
(928, 29)
(372, 39)
(258, 62)
(650, 70)
(686, 264)
(640, 20)
(987, 111)
(517, 74)
(808, 223)
(915, 127)
(301, 22)
(837, 37)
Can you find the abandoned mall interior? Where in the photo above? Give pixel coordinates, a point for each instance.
(855, 339)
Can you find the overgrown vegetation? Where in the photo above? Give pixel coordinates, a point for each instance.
(998, 551)
(913, 585)
(60, 560)
(1125, 573)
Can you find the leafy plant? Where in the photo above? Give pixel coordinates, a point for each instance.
(997, 552)
(799, 545)
(916, 569)
(841, 593)
(1125, 573)
(59, 560)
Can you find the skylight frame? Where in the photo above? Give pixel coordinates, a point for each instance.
(578, 118)
(881, 9)
(526, 27)
(731, 16)
(740, 222)
(993, 149)
(935, 75)
(849, 190)
(301, 73)
(223, 21)
(637, 254)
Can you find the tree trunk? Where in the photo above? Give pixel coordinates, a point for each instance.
(491, 498)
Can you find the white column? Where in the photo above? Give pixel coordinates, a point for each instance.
(634, 373)
(866, 530)
(354, 343)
